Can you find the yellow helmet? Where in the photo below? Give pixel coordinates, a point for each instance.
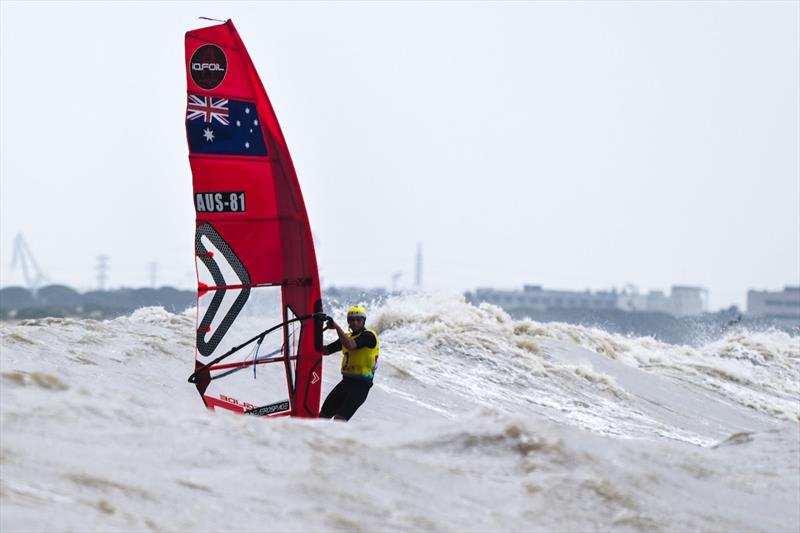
(357, 310)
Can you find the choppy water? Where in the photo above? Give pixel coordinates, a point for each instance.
(476, 422)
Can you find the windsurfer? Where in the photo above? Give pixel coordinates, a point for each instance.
(359, 361)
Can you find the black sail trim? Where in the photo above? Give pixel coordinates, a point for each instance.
(206, 348)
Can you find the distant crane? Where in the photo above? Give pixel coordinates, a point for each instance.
(23, 258)
(418, 271)
(102, 271)
(395, 277)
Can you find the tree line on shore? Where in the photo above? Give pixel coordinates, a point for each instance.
(17, 303)
(63, 301)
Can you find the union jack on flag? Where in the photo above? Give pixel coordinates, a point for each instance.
(207, 107)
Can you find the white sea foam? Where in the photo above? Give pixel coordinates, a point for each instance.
(476, 422)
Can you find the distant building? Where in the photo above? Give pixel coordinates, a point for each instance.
(658, 302)
(688, 301)
(781, 307)
(630, 299)
(682, 301)
(535, 298)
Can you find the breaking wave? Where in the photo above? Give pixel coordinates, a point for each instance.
(476, 422)
(588, 377)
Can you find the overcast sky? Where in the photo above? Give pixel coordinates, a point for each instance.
(573, 145)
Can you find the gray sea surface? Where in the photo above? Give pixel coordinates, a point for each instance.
(476, 422)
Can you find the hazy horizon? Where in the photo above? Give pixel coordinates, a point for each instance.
(569, 145)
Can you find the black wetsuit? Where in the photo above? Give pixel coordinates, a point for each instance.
(348, 395)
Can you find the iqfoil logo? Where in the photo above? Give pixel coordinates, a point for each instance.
(208, 66)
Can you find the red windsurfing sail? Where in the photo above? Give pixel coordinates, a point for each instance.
(259, 336)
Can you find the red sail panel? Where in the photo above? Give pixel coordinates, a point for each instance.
(256, 265)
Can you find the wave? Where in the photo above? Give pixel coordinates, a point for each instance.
(494, 423)
(606, 382)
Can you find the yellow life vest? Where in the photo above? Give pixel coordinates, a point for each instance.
(361, 362)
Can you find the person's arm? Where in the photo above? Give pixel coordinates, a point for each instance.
(366, 340)
(333, 347)
(346, 341)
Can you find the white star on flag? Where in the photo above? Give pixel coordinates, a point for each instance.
(208, 134)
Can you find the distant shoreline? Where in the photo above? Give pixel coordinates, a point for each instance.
(60, 301)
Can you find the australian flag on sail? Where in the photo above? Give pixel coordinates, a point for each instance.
(222, 126)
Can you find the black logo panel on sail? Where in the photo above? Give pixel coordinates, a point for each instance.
(208, 66)
(215, 263)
